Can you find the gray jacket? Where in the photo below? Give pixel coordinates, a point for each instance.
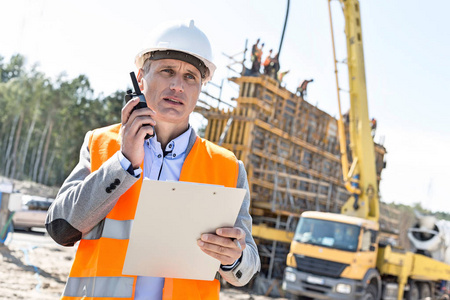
(83, 202)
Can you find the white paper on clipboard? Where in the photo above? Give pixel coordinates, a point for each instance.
(170, 218)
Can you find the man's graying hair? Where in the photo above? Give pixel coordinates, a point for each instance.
(146, 66)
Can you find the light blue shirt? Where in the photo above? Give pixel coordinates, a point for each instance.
(159, 167)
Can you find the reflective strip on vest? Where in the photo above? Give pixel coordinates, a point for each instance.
(113, 287)
(109, 228)
(95, 232)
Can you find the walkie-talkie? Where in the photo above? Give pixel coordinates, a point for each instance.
(142, 102)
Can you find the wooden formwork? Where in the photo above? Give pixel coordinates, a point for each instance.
(291, 153)
(237, 137)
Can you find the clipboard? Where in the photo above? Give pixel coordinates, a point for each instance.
(170, 218)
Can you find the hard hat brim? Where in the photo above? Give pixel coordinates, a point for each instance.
(141, 57)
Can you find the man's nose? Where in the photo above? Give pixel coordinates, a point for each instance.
(177, 83)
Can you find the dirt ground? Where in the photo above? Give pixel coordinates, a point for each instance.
(32, 266)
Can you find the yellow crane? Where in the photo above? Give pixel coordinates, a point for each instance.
(361, 178)
(337, 256)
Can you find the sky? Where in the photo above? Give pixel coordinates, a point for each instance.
(406, 49)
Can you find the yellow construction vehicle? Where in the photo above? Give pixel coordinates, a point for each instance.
(337, 256)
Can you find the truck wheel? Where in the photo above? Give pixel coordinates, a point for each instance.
(371, 293)
(413, 293)
(425, 290)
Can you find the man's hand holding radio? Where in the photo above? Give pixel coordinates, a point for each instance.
(134, 129)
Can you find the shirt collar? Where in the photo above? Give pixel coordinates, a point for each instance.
(176, 147)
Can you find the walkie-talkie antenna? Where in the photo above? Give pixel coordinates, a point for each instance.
(137, 90)
(142, 102)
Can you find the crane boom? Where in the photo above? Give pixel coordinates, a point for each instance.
(362, 175)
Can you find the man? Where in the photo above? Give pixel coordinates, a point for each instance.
(97, 202)
(254, 50)
(256, 57)
(275, 67)
(301, 89)
(267, 62)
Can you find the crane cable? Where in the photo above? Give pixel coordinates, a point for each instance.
(284, 29)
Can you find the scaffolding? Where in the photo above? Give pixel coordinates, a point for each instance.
(291, 152)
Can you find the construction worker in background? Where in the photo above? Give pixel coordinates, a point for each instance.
(274, 67)
(254, 57)
(259, 54)
(302, 88)
(350, 238)
(254, 49)
(373, 126)
(97, 202)
(267, 62)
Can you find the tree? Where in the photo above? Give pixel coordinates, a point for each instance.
(13, 69)
(43, 122)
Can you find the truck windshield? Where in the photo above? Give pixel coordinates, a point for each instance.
(327, 234)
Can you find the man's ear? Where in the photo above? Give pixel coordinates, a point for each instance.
(140, 77)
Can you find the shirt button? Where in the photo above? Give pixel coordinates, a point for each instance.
(174, 155)
(117, 181)
(108, 190)
(112, 186)
(170, 146)
(159, 155)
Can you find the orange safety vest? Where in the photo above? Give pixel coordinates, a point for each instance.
(267, 61)
(97, 269)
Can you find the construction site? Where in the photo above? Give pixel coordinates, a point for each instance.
(300, 159)
(291, 152)
(312, 177)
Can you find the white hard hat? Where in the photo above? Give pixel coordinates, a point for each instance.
(182, 42)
